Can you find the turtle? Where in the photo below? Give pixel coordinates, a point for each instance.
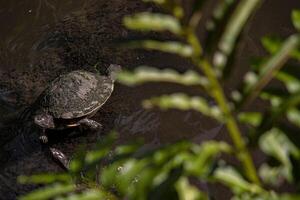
(72, 99)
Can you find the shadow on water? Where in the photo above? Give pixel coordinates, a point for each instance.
(42, 39)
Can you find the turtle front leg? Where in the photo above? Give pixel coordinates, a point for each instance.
(44, 121)
(91, 124)
(43, 136)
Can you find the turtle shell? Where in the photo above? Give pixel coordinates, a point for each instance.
(76, 94)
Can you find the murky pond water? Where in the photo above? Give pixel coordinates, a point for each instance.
(41, 39)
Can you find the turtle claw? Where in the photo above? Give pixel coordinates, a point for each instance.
(44, 139)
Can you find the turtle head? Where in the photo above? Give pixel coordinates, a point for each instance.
(44, 121)
(113, 71)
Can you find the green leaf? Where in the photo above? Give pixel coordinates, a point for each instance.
(252, 118)
(293, 116)
(205, 154)
(84, 159)
(96, 155)
(174, 47)
(122, 175)
(275, 143)
(273, 45)
(270, 69)
(44, 178)
(232, 30)
(263, 196)
(149, 74)
(101, 150)
(49, 192)
(170, 5)
(275, 96)
(135, 177)
(231, 178)
(268, 195)
(280, 107)
(87, 195)
(289, 197)
(77, 162)
(127, 148)
(166, 189)
(153, 22)
(296, 19)
(250, 79)
(280, 99)
(215, 26)
(292, 83)
(159, 2)
(273, 175)
(184, 102)
(188, 192)
(276, 61)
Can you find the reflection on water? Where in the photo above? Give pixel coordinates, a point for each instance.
(23, 24)
(138, 122)
(22, 21)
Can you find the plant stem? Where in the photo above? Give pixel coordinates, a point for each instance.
(216, 91)
(274, 64)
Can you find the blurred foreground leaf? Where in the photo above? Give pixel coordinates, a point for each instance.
(293, 116)
(266, 196)
(291, 82)
(252, 118)
(216, 25)
(149, 74)
(85, 158)
(44, 178)
(270, 69)
(231, 178)
(170, 5)
(273, 45)
(153, 22)
(88, 195)
(49, 192)
(160, 2)
(174, 47)
(188, 192)
(275, 143)
(232, 31)
(296, 19)
(184, 102)
(135, 177)
(201, 165)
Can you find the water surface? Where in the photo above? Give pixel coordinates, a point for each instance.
(41, 39)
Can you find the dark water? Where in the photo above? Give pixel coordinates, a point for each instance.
(41, 39)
